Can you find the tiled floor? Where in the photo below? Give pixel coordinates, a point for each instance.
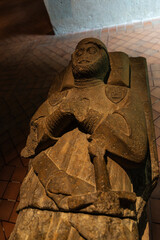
(28, 65)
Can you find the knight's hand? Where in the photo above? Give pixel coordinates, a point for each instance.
(60, 183)
(27, 152)
(96, 148)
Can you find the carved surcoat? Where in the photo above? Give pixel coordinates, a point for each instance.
(109, 110)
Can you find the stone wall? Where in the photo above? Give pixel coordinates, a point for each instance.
(68, 16)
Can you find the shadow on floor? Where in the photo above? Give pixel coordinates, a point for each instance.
(24, 17)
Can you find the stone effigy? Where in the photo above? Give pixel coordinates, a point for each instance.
(94, 162)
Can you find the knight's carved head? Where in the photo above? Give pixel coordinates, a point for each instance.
(90, 59)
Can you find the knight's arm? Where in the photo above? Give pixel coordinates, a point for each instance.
(123, 133)
(37, 131)
(47, 124)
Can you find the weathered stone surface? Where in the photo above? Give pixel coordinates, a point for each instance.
(94, 160)
(37, 224)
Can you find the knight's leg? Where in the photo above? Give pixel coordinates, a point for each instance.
(31, 224)
(34, 224)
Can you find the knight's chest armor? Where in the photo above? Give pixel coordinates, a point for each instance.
(90, 105)
(81, 101)
(102, 99)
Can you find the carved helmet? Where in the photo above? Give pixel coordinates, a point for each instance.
(95, 41)
(100, 45)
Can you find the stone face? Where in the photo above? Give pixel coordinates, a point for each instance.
(94, 161)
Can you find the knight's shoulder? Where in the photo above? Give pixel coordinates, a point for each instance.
(58, 97)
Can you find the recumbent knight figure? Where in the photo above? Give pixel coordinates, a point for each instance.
(93, 162)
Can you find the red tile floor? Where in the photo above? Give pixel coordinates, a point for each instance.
(28, 65)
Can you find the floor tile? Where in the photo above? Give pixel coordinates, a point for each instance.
(155, 114)
(18, 199)
(158, 141)
(156, 82)
(151, 89)
(8, 228)
(155, 67)
(2, 236)
(19, 174)
(156, 74)
(3, 185)
(14, 213)
(156, 92)
(6, 208)
(156, 106)
(155, 208)
(12, 191)
(157, 122)
(25, 161)
(155, 230)
(157, 132)
(150, 52)
(16, 162)
(6, 172)
(157, 55)
(8, 150)
(154, 99)
(156, 46)
(112, 30)
(158, 152)
(156, 192)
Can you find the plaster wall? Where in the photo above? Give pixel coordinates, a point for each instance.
(68, 16)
